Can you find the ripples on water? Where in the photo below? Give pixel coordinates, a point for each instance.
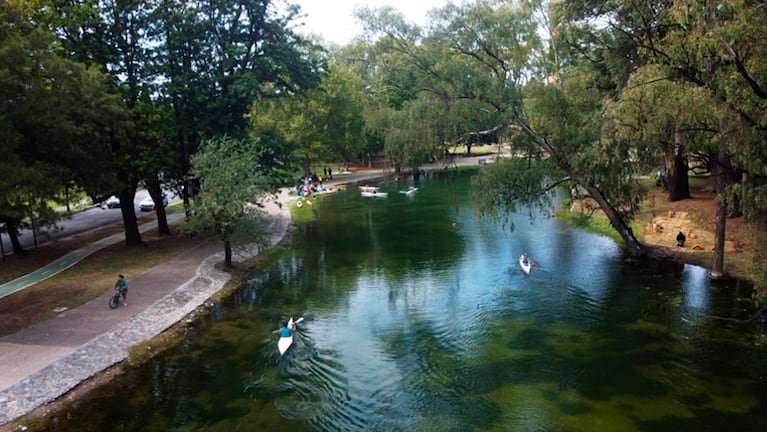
(415, 325)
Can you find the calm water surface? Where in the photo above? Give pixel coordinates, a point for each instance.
(413, 324)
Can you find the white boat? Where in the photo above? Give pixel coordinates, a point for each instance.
(367, 188)
(525, 267)
(410, 191)
(285, 342)
(374, 194)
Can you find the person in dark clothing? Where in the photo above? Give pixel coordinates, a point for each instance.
(680, 239)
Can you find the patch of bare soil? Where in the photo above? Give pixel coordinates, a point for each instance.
(696, 218)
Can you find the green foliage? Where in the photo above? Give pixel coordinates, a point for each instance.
(60, 119)
(230, 182)
(509, 185)
(319, 124)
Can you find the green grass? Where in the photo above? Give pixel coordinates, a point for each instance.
(596, 222)
(304, 214)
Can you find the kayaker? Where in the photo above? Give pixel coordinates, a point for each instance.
(285, 331)
(525, 259)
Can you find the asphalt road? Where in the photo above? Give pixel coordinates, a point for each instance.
(80, 221)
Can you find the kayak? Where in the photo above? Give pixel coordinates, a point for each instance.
(369, 188)
(525, 267)
(374, 194)
(285, 342)
(410, 191)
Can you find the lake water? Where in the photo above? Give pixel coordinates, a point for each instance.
(418, 318)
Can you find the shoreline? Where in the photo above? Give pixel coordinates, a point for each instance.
(171, 313)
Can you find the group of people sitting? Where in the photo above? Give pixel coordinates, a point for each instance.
(309, 184)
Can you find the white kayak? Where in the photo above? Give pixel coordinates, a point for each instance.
(410, 191)
(374, 194)
(285, 342)
(367, 188)
(525, 267)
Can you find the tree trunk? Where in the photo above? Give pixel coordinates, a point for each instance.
(678, 175)
(227, 254)
(633, 246)
(12, 228)
(155, 191)
(132, 234)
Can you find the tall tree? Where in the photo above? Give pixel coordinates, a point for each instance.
(60, 117)
(218, 57)
(668, 123)
(717, 47)
(322, 122)
(468, 56)
(230, 183)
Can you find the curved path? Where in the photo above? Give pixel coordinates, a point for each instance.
(45, 361)
(71, 259)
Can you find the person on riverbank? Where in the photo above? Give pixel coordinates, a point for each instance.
(122, 287)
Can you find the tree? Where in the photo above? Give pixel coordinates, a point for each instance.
(230, 182)
(468, 56)
(218, 57)
(60, 119)
(321, 123)
(667, 122)
(717, 47)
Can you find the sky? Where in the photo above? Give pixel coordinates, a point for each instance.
(333, 20)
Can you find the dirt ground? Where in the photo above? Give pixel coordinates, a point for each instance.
(696, 218)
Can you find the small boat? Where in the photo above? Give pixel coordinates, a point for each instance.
(326, 190)
(285, 342)
(410, 191)
(525, 267)
(367, 188)
(337, 187)
(374, 194)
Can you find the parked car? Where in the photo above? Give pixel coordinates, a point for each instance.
(113, 202)
(148, 205)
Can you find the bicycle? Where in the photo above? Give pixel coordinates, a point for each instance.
(114, 301)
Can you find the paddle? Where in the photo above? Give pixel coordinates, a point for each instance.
(532, 264)
(294, 322)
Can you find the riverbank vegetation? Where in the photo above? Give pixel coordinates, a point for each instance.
(592, 95)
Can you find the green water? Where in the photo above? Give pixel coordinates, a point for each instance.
(415, 324)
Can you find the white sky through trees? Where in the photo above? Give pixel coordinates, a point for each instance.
(334, 21)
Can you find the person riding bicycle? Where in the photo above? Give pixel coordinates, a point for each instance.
(122, 287)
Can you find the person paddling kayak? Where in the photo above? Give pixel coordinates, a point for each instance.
(285, 330)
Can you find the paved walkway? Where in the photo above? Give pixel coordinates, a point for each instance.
(45, 361)
(71, 259)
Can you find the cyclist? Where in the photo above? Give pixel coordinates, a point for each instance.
(122, 287)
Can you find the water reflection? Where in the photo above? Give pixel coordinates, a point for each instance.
(413, 323)
(695, 288)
